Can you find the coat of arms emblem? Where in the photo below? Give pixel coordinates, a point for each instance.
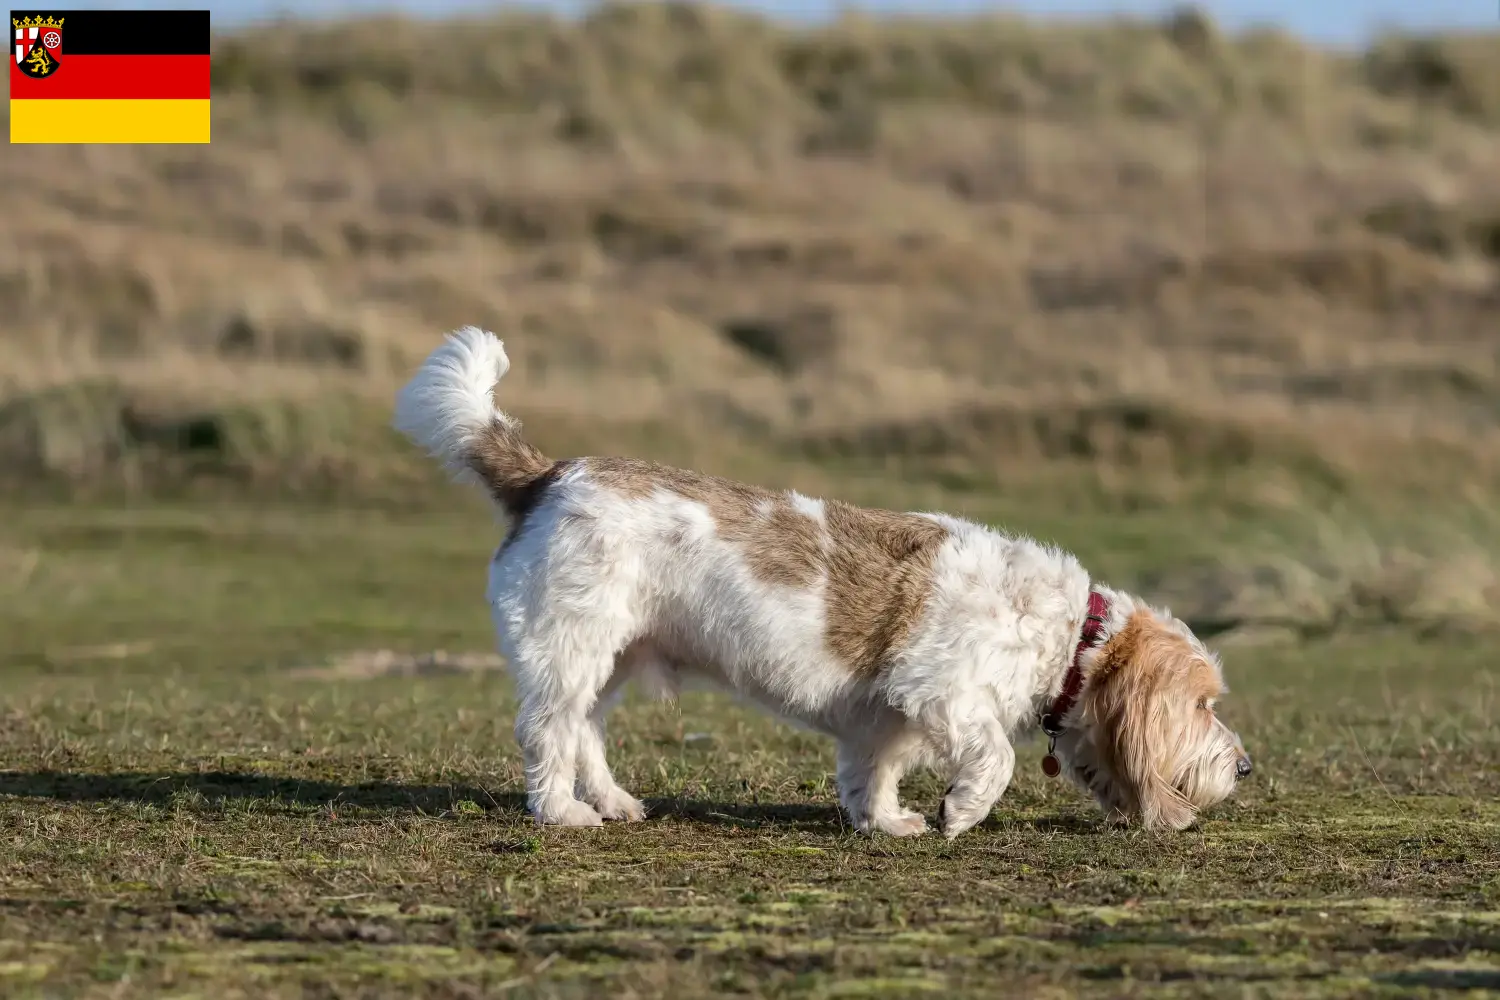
(38, 44)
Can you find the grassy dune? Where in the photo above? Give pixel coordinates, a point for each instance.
(1216, 312)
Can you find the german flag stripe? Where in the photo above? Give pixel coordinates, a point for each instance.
(128, 32)
(120, 77)
(91, 121)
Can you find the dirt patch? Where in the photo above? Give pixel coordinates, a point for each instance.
(359, 665)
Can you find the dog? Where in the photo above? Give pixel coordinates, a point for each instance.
(909, 638)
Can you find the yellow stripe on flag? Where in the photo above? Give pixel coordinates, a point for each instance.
(109, 121)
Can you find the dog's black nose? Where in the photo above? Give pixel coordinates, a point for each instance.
(1243, 768)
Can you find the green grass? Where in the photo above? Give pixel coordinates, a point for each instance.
(186, 810)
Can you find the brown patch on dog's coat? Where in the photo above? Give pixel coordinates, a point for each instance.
(514, 471)
(1145, 681)
(877, 564)
(781, 544)
(879, 575)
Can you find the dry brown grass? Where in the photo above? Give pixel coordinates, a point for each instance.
(983, 249)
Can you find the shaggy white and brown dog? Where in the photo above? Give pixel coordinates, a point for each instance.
(908, 638)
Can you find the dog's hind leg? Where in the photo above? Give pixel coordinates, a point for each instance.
(871, 763)
(868, 777)
(560, 729)
(596, 784)
(549, 732)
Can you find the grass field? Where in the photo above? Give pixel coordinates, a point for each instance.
(1207, 309)
(207, 790)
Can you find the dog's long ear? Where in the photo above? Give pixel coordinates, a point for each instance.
(1140, 700)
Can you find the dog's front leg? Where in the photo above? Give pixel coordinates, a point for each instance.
(985, 761)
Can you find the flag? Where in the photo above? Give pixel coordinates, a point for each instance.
(109, 76)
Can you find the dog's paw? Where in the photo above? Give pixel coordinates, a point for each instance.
(619, 805)
(572, 813)
(954, 820)
(902, 824)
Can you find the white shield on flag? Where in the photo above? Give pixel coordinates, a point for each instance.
(25, 39)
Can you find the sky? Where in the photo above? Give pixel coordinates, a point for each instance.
(1331, 22)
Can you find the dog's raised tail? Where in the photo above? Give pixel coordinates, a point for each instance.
(447, 408)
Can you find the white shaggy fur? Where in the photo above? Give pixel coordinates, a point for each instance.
(447, 404)
(596, 587)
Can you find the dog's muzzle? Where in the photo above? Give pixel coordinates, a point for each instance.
(1243, 768)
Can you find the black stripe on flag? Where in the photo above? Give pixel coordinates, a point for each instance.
(127, 32)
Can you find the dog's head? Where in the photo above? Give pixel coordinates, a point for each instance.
(1146, 740)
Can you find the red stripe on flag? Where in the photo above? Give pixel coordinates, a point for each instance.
(115, 77)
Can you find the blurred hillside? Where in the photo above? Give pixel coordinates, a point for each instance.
(1143, 263)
